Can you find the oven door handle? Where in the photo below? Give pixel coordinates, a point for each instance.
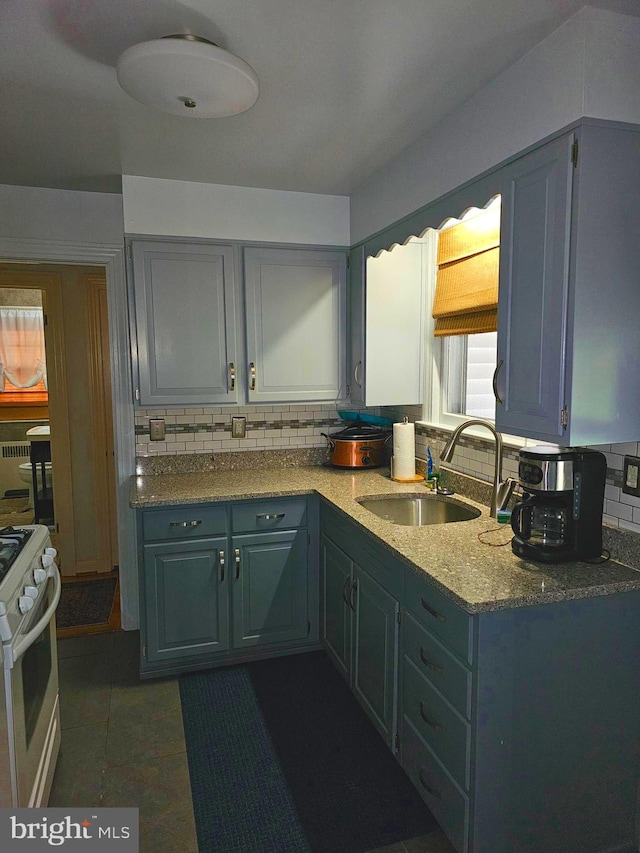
(17, 649)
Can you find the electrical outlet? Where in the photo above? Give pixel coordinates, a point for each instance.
(238, 427)
(631, 476)
(156, 429)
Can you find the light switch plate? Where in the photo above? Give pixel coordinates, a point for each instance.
(631, 476)
(156, 429)
(238, 427)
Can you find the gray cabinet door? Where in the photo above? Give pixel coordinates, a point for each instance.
(534, 281)
(185, 599)
(375, 652)
(269, 588)
(185, 323)
(356, 377)
(336, 576)
(295, 304)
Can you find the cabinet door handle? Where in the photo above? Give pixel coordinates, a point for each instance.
(354, 588)
(346, 583)
(428, 788)
(434, 667)
(252, 374)
(185, 523)
(494, 381)
(269, 516)
(433, 724)
(356, 374)
(237, 561)
(232, 376)
(221, 561)
(435, 613)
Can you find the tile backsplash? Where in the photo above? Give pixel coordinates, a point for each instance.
(208, 429)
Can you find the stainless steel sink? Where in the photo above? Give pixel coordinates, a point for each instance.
(418, 510)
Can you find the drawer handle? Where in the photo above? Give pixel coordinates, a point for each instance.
(185, 523)
(434, 667)
(269, 516)
(435, 613)
(237, 561)
(354, 589)
(433, 724)
(221, 561)
(346, 583)
(428, 788)
(494, 381)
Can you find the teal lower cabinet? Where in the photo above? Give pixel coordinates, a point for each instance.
(359, 619)
(209, 600)
(520, 727)
(186, 600)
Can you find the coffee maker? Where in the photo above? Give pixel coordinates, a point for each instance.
(560, 516)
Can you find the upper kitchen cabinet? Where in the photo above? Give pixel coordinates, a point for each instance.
(569, 304)
(185, 322)
(295, 304)
(388, 322)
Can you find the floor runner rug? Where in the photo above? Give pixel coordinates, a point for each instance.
(88, 602)
(282, 759)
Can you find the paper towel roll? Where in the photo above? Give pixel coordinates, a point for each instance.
(404, 451)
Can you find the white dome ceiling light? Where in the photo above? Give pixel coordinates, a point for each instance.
(187, 76)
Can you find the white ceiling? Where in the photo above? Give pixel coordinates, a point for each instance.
(345, 85)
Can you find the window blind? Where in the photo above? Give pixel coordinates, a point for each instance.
(466, 297)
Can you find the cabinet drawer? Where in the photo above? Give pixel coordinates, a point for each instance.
(439, 614)
(268, 515)
(450, 805)
(438, 665)
(444, 730)
(184, 522)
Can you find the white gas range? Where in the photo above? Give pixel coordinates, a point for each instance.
(29, 704)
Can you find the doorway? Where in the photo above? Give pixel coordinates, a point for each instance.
(74, 303)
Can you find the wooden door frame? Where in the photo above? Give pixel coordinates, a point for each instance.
(112, 258)
(50, 285)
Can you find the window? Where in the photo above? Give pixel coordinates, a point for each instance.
(462, 366)
(23, 367)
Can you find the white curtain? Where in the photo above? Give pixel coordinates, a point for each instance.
(22, 354)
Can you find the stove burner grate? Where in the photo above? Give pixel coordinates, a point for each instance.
(12, 541)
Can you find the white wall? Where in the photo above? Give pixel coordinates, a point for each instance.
(187, 209)
(588, 67)
(34, 213)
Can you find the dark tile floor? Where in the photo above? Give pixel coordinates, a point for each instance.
(123, 745)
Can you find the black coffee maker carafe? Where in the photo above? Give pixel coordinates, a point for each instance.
(560, 516)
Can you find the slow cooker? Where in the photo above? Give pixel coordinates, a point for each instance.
(358, 446)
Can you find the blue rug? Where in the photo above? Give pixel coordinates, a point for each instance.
(283, 760)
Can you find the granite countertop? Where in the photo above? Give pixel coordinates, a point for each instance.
(477, 576)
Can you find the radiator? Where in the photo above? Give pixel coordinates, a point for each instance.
(12, 454)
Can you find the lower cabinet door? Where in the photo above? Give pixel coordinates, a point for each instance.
(375, 652)
(185, 599)
(335, 574)
(269, 588)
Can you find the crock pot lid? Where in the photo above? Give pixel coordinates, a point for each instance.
(359, 431)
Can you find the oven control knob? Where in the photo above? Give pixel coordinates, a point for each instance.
(39, 575)
(25, 603)
(31, 591)
(51, 552)
(46, 560)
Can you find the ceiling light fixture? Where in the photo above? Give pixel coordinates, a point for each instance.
(187, 76)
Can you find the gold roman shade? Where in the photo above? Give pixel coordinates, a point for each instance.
(466, 298)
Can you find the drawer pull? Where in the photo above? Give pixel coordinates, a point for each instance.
(252, 374)
(433, 724)
(221, 561)
(185, 523)
(428, 788)
(434, 667)
(232, 376)
(237, 561)
(354, 588)
(435, 613)
(269, 516)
